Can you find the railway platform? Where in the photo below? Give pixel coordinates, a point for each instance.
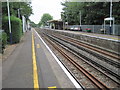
(33, 65)
(109, 42)
(95, 35)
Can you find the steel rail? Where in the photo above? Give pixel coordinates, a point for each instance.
(94, 67)
(92, 78)
(106, 59)
(91, 47)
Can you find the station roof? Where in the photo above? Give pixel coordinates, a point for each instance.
(50, 21)
(109, 18)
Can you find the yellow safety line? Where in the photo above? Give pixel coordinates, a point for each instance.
(52, 88)
(35, 74)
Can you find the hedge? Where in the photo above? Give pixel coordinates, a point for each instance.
(16, 28)
(3, 41)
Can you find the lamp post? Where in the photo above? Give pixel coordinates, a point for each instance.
(9, 22)
(67, 21)
(62, 14)
(110, 14)
(80, 20)
(18, 13)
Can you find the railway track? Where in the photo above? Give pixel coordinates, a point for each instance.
(97, 82)
(114, 56)
(100, 54)
(111, 62)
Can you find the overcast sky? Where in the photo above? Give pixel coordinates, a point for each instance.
(53, 7)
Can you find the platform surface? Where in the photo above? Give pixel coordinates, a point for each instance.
(101, 36)
(17, 70)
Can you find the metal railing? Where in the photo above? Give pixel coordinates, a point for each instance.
(99, 29)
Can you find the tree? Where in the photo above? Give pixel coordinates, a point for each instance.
(33, 24)
(71, 12)
(16, 25)
(91, 12)
(24, 7)
(46, 17)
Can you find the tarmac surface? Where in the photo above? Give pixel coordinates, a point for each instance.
(31, 64)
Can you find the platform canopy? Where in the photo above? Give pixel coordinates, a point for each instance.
(109, 19)
(50, 21)
(55, 24)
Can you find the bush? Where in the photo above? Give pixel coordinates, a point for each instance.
(3, 41)
(16, 28)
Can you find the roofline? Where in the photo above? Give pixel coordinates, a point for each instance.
(54, 21)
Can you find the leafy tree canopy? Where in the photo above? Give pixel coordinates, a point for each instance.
(33, 24)
(91, 12)
(24, 8)
(46, 17)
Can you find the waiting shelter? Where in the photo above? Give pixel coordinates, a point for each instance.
(55, 24)
(111, 25)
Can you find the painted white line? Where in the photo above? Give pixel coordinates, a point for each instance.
(61, 65)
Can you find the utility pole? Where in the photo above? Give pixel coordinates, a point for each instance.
(9, 22)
